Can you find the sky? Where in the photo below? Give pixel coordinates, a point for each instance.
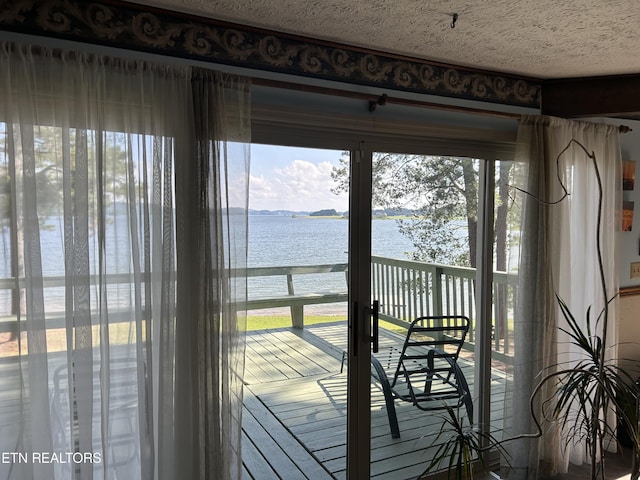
(292, 178)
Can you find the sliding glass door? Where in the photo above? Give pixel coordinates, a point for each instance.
(442, 335)
(415, 236)
(295, 397)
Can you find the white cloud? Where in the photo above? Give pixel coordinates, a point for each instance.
(299, 185)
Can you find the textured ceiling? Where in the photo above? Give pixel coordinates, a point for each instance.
(536, 38)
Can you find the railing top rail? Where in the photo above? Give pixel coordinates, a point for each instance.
(466, 272)
(416, 263)
(296, 269)
(9, 283)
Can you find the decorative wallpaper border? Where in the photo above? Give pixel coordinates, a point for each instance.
(137, 27)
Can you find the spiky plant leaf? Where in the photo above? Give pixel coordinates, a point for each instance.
(462, 445)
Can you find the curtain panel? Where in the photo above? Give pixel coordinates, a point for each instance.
(558, 258)
(123, 230)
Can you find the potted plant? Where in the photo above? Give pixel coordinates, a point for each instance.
(460, 456)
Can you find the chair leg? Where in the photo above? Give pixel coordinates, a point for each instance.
(388, 397)
(464, 390)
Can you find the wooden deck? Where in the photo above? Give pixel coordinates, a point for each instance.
(294, 416)
(295, 410)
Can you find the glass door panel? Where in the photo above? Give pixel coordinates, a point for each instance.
(424, 247)
(505, 262)
(295, 415)
(307, 387)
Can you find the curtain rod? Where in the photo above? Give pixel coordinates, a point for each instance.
(381, 100)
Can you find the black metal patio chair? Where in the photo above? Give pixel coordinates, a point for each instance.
(425, 372)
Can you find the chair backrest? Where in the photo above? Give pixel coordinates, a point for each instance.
(432, 346)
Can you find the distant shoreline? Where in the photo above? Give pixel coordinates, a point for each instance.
(344, 217)
(330, 213)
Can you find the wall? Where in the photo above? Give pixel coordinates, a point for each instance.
(630, 241)
(629, 334)
(629, 327)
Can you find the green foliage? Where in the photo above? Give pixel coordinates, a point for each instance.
(324, 213)
(441, 194)
(108, 174)
(462, 446)
(265, 322)
(588, 391)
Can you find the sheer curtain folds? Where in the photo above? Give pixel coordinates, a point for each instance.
(123, 223)
(558, 256)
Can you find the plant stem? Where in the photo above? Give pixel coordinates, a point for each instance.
(597, 440)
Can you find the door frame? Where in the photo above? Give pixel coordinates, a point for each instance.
(359, 136)
(359, 317)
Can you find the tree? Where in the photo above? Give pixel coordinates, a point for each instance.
(440, 192)
(501, 245)
(37, 153)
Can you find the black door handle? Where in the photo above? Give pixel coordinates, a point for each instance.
(375, 310)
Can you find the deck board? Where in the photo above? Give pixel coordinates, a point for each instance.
(277, 447)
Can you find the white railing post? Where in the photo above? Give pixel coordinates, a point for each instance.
(297, 311)
(437, 290)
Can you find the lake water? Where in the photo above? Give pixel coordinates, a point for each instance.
(285, 241)
(280, 240)
(276, 240)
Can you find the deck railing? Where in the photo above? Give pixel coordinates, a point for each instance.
(406, 289)
(324, 290)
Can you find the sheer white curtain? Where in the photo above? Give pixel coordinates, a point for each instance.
(558, 256)
(123, 197)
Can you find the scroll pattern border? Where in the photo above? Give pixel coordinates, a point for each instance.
(131, 26)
